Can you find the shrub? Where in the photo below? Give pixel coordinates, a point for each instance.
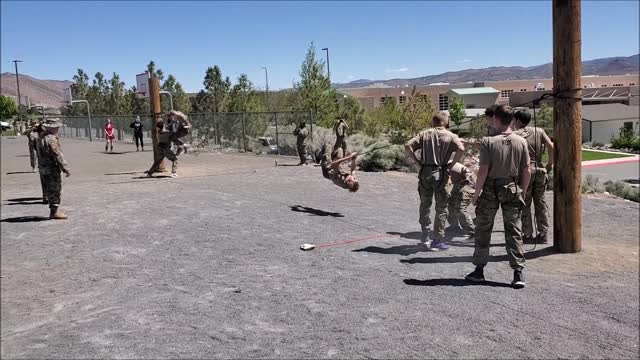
(623, 190)
(626, 140)
(388, 158)
(592, 185)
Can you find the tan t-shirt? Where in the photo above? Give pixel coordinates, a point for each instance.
(536, 139)
(437, 145)
(505, 154)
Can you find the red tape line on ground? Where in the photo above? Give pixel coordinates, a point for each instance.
(342, 242)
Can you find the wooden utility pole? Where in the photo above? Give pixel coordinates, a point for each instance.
(567, 115)
(156, 115)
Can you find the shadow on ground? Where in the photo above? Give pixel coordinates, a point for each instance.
(312, 211)
(467, 259)
(20, 172)
(25, 199)
(151, 177)
(124, 173)
(453, 282)
(27, 203)
(23, 219)
(404, 250)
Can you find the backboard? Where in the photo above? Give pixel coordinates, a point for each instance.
(66, 93)
(142, 85)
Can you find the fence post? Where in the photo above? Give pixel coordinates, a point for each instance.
(275, 118)
(244, 134)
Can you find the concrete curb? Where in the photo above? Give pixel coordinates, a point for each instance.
(603, 162)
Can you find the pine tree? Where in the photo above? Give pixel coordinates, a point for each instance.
(315, 90)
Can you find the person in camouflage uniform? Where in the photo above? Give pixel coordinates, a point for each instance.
(51, 164)
(32, 139)
(164, 147)
(537, 141)
(503, 173)
(331, 169)
(38, 132)
(463, 189)
(301, 134)
(437, 144)
(340, 129)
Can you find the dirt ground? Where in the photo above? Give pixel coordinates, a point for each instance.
(208, 265)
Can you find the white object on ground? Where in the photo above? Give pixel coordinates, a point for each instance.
(307, 247)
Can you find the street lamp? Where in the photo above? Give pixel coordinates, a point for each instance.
(328, 71)
(18, 84)
(266, 81)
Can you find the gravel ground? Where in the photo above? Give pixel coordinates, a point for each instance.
(208, 266)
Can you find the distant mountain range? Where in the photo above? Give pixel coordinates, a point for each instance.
(40, 92)
(604, 66)
(49, 92)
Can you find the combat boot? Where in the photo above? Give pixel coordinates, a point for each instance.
(56, 214)
(518, 279)
(542, 239)
(477, 275)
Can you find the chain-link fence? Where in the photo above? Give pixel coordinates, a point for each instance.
(261, 132)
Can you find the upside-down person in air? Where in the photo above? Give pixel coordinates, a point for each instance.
(332, 171)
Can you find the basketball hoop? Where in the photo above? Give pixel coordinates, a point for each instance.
(142, 85)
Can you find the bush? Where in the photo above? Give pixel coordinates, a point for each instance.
(623, 190)
(626, 140)
(389, 158)
(591, 185)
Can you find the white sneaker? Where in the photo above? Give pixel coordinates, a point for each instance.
(174, 175)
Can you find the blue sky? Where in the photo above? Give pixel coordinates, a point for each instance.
(372, 40)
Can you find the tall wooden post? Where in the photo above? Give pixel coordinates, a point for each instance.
(567, 114)
(156, 113)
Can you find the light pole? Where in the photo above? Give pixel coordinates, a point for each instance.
(328, 71)
(266, 82)
(18, 83)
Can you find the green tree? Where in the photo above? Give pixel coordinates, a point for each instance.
(316, 94)
(8, 108)
(456, 110)
(181, 101)
(79, 91)
(133, 104)
(416, 114)
(151, 68)
(97, 94)
(243, 97)
(217, 90)
(201, 103)
(115, 102)
(382, 119)
(353, 113)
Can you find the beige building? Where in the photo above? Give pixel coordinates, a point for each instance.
(601, 122)
(373, 97)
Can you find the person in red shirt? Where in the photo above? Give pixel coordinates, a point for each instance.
(109, 135)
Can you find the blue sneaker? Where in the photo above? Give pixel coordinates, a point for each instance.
(438, 245)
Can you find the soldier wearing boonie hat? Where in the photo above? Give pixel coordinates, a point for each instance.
(52, 163)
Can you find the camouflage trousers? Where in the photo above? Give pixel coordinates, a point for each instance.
(433, 183)
(340, 144)
(302, 153)
(535, 194)
(498, 193)
(52, 181)
(33, 155)
(43, 185)
(165, 152)
(459, 202)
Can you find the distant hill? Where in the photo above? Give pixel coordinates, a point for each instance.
(41, 92)
(605, 66)
(49, 92)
